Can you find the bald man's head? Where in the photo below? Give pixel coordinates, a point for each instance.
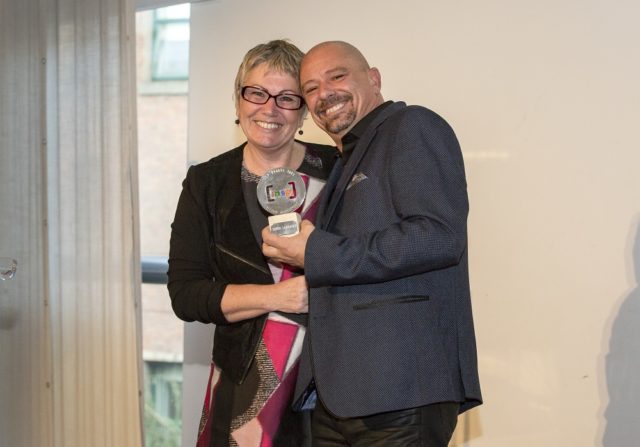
(339, 87)
(343, 48)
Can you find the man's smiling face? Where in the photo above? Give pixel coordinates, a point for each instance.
(339, 87)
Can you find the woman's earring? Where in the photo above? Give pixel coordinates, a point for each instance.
(237, 121)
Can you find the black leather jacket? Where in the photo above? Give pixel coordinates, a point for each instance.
(212, 245)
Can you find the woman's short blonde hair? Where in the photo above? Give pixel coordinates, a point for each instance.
(279, 55)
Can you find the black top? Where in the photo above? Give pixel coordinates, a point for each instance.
(350, 140)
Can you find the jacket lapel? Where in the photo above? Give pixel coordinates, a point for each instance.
(236, 235)
(329, 188)
(349, 170)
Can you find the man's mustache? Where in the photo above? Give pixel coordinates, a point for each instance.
(331, 101)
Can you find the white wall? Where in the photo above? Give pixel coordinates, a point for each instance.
(545, 99)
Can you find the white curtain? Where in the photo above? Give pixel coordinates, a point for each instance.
(70, 319)
(25, 385)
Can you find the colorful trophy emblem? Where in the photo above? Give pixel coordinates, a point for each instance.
(280, 192)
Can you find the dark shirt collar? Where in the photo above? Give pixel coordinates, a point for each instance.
(350, 140)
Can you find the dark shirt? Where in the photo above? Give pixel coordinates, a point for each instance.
(350, 140)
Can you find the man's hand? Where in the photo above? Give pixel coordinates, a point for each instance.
(288, 250)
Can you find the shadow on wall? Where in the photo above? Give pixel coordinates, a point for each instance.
(622, 365)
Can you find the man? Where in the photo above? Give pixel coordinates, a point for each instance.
(390, 348)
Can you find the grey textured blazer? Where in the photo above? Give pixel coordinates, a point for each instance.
(390, 322)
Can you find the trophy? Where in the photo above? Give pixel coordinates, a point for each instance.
(280, 192)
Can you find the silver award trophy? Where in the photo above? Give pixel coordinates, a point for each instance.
(280, 192)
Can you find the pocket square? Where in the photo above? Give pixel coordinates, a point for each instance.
(357, 178)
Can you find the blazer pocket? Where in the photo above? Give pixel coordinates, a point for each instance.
(357, 178)
(405, 299)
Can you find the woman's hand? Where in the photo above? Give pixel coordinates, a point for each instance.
(292, 295)
(244, 301)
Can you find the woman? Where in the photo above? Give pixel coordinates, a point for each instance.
(217, 273)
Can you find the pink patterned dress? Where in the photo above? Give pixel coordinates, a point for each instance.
(257, 412)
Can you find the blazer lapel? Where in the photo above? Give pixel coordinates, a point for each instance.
(354, 161)
(329, 188)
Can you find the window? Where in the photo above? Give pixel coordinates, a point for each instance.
(170, 53)
(162, 37)
(163, 404)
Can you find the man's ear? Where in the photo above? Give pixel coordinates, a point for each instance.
(375, 78)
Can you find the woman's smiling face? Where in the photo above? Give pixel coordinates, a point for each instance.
(267, 126)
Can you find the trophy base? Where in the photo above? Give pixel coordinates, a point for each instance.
(286, 225)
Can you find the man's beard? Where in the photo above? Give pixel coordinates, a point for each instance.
(342, 120)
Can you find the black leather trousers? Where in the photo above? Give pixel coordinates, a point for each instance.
(428, 426)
